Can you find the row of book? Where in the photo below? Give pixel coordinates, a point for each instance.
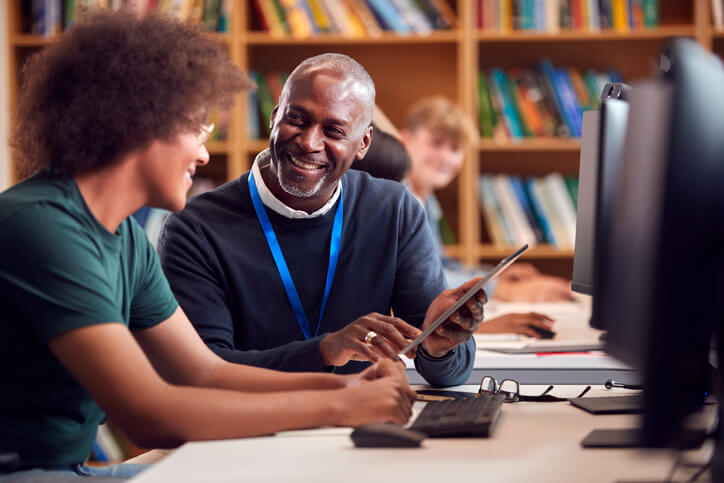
(352, 18)
(545, 101)
(533, 211)
(50, 17)
(262, 101)
(553, 15)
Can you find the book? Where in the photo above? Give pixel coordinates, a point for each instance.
(486, 111)
(517, 184)
(492, 213)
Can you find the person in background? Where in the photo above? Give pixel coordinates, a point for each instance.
(298, 263)
(111, 117)
(385, 158)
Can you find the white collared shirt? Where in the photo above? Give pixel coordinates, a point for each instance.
(273, 203)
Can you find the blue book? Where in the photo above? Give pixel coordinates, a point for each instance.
(527, 17)
(505, 100)
(487, 195)
(537, 208)
(519, 191)
(573, 106)
(551, 78)
(385, 11)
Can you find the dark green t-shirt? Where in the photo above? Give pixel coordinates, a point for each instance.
(60, 270)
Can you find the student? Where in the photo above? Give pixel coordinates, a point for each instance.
(111, 118)
(350, 247)
(436, 134)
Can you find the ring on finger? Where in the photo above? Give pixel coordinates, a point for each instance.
(370, 335)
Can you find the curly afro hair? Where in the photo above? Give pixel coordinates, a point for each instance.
(111, 85)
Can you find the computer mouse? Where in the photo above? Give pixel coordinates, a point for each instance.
(544, 333)
(383, 435)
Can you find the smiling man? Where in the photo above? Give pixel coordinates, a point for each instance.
(295, 265)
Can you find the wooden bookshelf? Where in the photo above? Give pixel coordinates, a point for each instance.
(406, 68)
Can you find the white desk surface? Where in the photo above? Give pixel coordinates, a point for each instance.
(571, 326)
(533, 442)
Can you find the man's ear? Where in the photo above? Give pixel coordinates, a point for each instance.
(365, 143)
(273, 116)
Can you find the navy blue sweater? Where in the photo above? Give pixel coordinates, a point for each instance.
(220, 267)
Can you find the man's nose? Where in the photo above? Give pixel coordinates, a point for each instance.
(312, 139)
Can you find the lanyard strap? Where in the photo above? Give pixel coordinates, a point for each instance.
(276, 251)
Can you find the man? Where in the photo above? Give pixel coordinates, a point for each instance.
(436, 135)
(296, 264)
(111, 116)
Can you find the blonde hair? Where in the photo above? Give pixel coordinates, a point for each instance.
(441, 116)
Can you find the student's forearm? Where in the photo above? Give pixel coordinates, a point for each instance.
(177, 414)
(227, 375)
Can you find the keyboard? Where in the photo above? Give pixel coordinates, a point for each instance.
(474, 416)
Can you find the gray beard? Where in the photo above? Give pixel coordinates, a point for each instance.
(294, 190)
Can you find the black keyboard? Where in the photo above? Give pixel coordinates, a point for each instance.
(474, 416)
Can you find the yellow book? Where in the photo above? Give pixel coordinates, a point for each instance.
(276, 29)
(619, 15)
(299, 24)
(320, 15)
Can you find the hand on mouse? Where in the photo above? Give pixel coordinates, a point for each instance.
(518, 324)
(385, 399)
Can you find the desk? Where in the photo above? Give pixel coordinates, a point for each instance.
(571, 325)
(533, 442)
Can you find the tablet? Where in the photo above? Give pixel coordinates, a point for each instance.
(492, 275)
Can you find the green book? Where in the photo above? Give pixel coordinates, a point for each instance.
(572, 188)
(446, 233)
(266, 104)
(517, 103)
(210, 16)
(651, 13)
(486, 113)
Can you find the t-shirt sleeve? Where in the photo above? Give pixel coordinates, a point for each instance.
(52, 274)
(153, 301)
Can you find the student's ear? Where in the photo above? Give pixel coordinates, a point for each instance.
(364, 144)
(405, 137)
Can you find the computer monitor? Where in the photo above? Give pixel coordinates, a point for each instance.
(602, 143)
(658, 264)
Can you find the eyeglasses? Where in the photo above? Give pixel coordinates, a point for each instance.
(510, 389)
(205, 133)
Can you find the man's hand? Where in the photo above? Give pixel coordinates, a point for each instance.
(348, 343)
(387, 399)
(517, 324)
(539, 288)
(460, 326)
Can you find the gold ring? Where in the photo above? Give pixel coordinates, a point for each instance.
(370, 335)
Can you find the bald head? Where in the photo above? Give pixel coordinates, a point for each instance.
(350, 72)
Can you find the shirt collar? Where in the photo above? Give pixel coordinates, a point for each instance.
(274, 204)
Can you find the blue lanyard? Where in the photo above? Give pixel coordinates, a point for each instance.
(271, 240)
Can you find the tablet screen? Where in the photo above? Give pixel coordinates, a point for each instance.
(505, 263)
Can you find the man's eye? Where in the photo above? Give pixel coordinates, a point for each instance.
(335, 132)
(294, 117)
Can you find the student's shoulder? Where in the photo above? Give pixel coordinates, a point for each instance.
(365, 186)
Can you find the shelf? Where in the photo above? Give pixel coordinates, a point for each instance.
(33, 40)
(253, 146)
(442, 36)
(537, 252)
(217, 147)
(579, 35)
(529, 145)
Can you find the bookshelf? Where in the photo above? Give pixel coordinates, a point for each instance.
(446, 62)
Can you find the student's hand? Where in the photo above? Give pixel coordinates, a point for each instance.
(519, 271)
(517, 324)
(460, 326)
(541, 288)
(380, 369)
(387, 399)
(348, 343)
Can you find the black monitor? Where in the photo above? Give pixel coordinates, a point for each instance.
(658, 263)
(604, 133)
